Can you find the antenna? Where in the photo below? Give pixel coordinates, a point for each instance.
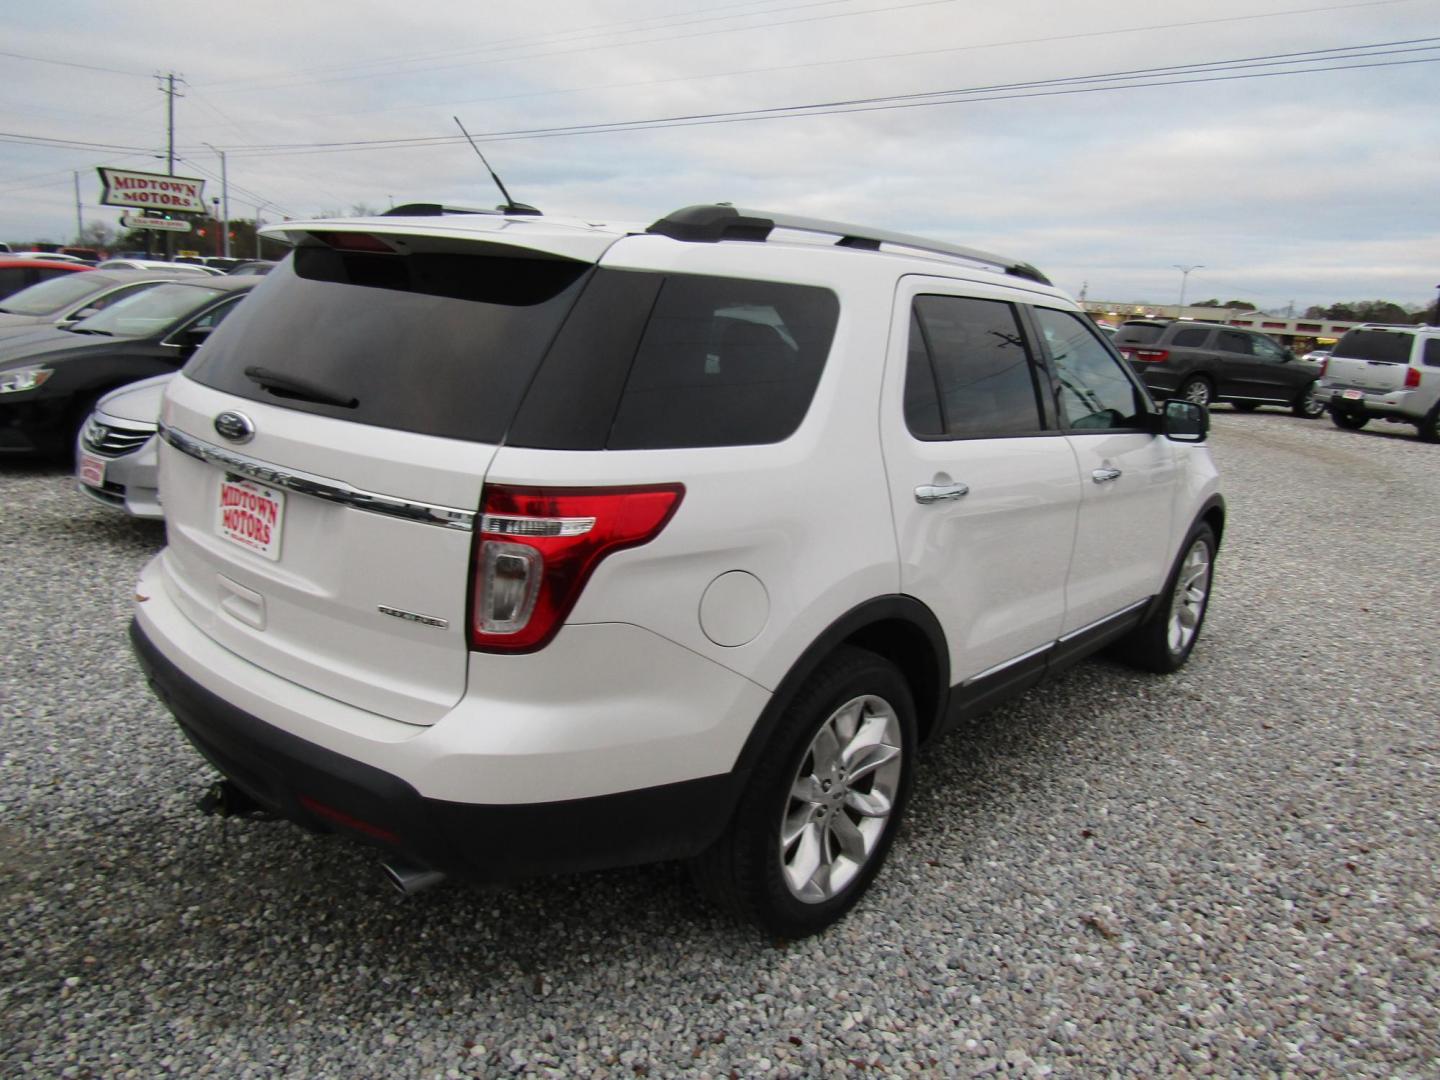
(510, 206)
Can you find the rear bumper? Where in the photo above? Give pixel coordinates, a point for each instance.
(1411, 405)
(324, 791)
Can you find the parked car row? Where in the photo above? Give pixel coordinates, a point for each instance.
(52, 375)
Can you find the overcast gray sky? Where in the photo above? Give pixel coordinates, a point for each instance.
(1024, 127)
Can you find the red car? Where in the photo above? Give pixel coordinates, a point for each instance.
(17, 274)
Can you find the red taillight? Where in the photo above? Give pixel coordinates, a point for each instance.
(1152, 356)
(1324, 366)
(1412, 378)
(537, 547)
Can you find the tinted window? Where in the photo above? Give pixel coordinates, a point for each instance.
(1191, 338)
(1094, 389)
(1384, 346)
(982, 382)
(724, 362)
(13, 279)
(1432, 352)
(434, 343)
(1266, 349)
(1139, 333)
(1233, 342)
(922, 396)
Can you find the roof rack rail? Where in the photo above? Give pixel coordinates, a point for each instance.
(423, 209)
(710, 224)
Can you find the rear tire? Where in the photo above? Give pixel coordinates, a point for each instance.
(1197, 390)
(1165, 640)
(1307, 406)
(1350, 421)
(1430, 426)
(817, 819)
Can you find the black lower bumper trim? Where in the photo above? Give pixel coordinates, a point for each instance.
(328, 792)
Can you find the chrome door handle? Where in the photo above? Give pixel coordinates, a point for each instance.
(1104, 476)
(929, 493)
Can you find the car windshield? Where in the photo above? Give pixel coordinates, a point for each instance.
(1379, 346)
(148, 312)
(49, 295)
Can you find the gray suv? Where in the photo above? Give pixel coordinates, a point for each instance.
(1385, 373)
(1208, 362)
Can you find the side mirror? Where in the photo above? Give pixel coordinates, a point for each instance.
(1184, 421)
(1290, 354)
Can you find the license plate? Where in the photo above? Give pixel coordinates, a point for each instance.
(251, 515)
(1354, 395)
(90, 469)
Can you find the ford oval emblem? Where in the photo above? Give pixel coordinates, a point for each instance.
(235, 426)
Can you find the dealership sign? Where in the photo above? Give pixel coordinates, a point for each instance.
(152, 191)
(140, 221)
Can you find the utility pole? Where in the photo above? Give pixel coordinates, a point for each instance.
(224, 201)
(79, 219)
(170, 92)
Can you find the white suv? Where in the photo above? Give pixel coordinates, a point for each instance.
(1382, 372)
(517, 545)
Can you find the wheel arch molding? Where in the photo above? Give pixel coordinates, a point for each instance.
(899, 628)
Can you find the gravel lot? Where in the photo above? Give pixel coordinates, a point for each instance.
(1230, 871)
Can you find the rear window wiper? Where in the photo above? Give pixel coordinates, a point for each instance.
(290, 386)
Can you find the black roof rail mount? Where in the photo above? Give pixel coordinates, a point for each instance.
(422, 209)
(713, 223)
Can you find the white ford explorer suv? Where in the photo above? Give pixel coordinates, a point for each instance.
(516, 545)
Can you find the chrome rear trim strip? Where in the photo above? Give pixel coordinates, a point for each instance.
(318, 487)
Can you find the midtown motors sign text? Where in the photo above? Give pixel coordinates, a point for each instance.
(152, 191)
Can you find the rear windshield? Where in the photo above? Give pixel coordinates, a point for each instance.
(1138, 334)
(1382, 346)
(49, 295)
(435, 343)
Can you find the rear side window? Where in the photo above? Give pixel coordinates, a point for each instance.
(435, 343)
(1139, 333)
(724, 362)
(1232, 341)
(969, 372)
(1381, 346)
(1189, 339)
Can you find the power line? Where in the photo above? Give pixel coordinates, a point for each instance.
(365, 69)
(874, 57)
(429, 70)
(71, 64)
(1175, 75)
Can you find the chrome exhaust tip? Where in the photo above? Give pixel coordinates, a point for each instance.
(409, 879)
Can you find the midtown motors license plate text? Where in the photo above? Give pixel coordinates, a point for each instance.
(251, 515)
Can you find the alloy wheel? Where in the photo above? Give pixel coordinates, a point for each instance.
(841, 799)
(1187, 603)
